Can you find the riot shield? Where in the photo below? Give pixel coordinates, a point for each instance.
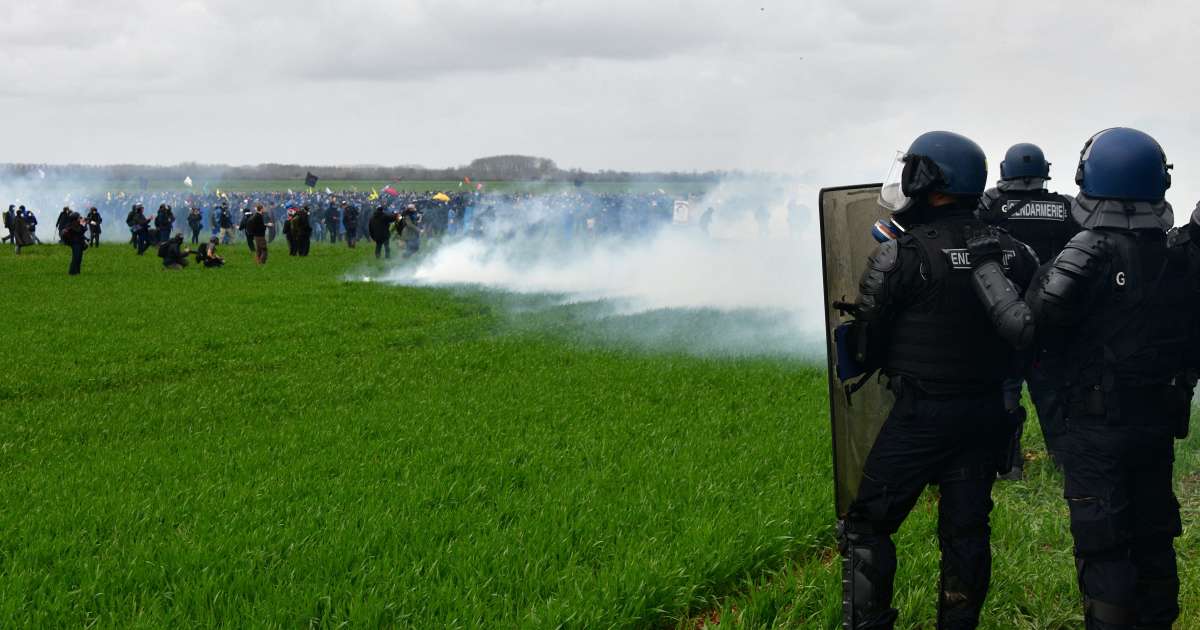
(847, 215)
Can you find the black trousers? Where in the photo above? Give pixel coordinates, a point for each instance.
(957, 443)
(385, 247)
(250, 242)
(1043, 391)
(195, 234)
(94, 238)
(333, 233)
(1124, 514)
(77, 248)
(142, 240)
(293, 247)
(303, 245)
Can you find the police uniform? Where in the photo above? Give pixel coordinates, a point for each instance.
(1120, 306)
(1021, 204)
(932, 336)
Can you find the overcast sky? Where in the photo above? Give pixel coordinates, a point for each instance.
(826, 89)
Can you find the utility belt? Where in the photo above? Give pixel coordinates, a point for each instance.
(1168, 404)
(913, 388)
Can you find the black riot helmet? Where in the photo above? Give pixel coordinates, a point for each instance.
(937, 161)
(1024, 160)
(1123, 177)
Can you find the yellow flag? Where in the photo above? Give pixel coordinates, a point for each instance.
(374, 195)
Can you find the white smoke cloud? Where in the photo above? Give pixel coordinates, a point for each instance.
(758, 282)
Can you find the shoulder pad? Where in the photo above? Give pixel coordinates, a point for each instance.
(1084, 253)
(885, 257)
(989, 198)
(1092, 240)
(1177, 237)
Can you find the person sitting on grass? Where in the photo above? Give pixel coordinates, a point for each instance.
(172, 253)
(207, 255)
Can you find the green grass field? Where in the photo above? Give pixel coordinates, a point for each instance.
(281, 447)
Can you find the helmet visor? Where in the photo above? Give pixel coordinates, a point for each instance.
(891, 195)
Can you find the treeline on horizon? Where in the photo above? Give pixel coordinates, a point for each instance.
(495, 168)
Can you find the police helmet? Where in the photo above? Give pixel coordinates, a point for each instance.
(937, 161)
(1124, 164)
(1024, 160)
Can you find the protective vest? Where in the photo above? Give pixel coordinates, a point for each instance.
(1038, 218)
(942, 333)
(1136, 329)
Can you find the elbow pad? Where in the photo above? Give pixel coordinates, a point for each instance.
(872, 287)
(1010, 316)
(1059, 297)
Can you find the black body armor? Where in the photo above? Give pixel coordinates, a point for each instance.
(941, 335)
(1038, 218)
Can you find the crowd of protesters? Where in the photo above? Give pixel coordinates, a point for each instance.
(208, 220)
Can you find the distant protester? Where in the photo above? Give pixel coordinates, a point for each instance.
(10, 216)
(139, 227)
(93, 221)
(64, 219)
(244, 228)
(256, 229)
(195, 221)
(31, 223)
(207, 254)
(288, 222)
(72, 234)
(350, 222)
(164, 222)
(225, 224)
(22, 236)
(381, 231)
(173, 255)
(409, 229)
(302, 231)
(332, 219)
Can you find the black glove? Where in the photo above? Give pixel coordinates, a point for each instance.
(984, 245)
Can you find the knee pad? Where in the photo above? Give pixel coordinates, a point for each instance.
(1098, 614)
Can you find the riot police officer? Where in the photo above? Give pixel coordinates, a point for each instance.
(1119, 309)
(1021, 204)
(935, 332)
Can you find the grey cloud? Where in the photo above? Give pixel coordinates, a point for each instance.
(823, 87)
